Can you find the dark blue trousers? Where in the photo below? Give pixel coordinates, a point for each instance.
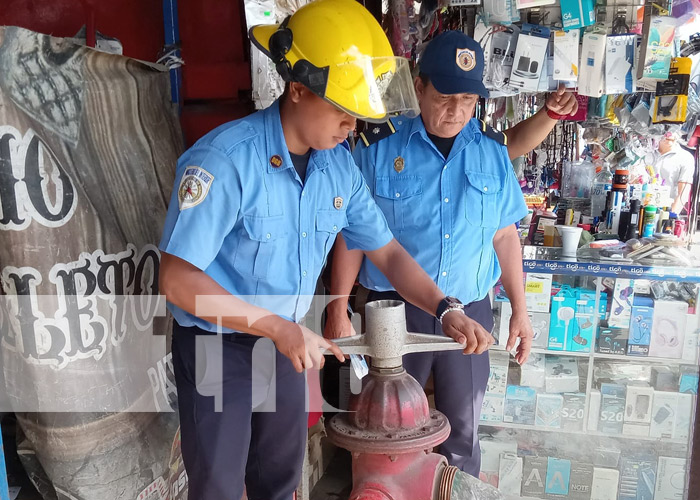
(459, 380)
(225, 450)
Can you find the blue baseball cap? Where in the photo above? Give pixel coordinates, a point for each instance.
(454, 62)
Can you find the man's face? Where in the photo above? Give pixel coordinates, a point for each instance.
(666, 144)
(444, 115)
(324, 125)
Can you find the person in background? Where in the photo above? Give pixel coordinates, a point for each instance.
(676, 167)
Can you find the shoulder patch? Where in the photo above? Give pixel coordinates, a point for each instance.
(492, 133)
(375, 132)
(194, 187)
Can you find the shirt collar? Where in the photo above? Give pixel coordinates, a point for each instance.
(468, 133)
(276, 145)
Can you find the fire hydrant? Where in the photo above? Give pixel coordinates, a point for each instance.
(390, 429)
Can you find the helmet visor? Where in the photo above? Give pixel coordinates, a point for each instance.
(373, 88)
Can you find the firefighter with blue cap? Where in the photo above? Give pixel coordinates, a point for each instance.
(446, 185)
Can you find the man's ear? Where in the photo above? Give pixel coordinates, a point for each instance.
(419, 86)
(296, 91)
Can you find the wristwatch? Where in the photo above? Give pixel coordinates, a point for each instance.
(446, 305)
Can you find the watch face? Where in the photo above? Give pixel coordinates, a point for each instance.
(453, 301)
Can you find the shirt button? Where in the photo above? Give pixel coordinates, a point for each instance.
(268, 236)
(447, 200)
(486, 188)
(303, 193)
(444, 167)
(303, 235)
(444, 273)
(304, 274)
(447, 236)
(335, 228)
(398, 195)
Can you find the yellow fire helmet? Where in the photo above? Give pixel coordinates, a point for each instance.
(339, 51)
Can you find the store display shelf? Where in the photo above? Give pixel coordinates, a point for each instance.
(612, 270)
(508, 425)
(643, 359)
(541, 350)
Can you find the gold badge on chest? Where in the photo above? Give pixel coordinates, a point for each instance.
(399, 164)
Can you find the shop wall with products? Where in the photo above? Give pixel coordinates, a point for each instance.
(604, 408)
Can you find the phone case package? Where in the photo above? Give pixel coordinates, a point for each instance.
(656, 49)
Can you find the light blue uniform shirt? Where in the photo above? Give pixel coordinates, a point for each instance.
(253, 227)
(444, 212)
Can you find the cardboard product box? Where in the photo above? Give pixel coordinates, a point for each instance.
(548, 413)
(612, 340)
(621, 306)
(534, 477)
(656, 48)
(612, 408)
(510, 474)
(663, 414)
(670, 478)
(637, 478)
(605, 484)
(561, 374)
(668, 330)
(538, 291)
(640, 326)
(562, 323)
(572, 411)
(638, 405)
(581, 482)
(596, 399)
(566, 55)
(540, 329)
(520, 405)
(688, 383)
(558, 477)
(492, 407)
(663, 379)
(498, 374)
(532, 373)
(692, 339)
(583, 338)
(635, 430)
(684, 416)
(577, 14)
(491, 451)
(504, 323)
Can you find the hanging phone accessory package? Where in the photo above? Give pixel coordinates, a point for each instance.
(529, 57)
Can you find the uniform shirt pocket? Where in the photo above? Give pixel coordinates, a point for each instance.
(400, 200)
(259, 239)
(328, 224)
(482, 198)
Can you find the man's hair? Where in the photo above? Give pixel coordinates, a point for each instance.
(284, 95)
(424, 78)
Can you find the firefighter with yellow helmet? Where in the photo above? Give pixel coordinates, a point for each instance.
(256, 207)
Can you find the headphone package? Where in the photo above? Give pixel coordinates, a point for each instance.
(619, 64)
(591, 80)
(529, 57)
(668, 329)
(671, 103)
(501, 61)
(566, 55)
